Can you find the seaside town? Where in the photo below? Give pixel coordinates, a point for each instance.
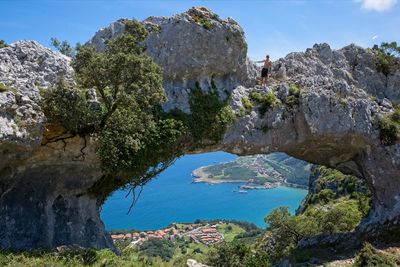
(206, 234)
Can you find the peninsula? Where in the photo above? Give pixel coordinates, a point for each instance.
(257, 172)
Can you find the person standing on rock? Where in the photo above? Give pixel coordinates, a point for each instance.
(266, 69)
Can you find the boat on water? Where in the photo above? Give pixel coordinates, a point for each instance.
(242, 191)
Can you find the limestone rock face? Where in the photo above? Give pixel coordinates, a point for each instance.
(46, 174)
(194, 263)
(195, 46)
(335, 122)
(25, 66)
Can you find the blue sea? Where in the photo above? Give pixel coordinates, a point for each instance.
(172, 197)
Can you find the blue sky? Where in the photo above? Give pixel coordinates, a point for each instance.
(275, 27)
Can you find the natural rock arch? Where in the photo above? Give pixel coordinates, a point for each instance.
(46, 175)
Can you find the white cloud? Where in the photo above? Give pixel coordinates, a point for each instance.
(375, 37)
(377, 5)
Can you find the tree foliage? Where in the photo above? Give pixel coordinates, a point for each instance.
(158, 248)
(64, 47)
(117, 99)
(389, 126)
(236, 254)
(3, 44)
(336, 203)
(135, 139)
(387, 57)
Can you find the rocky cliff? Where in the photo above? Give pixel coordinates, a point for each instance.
(46, 174)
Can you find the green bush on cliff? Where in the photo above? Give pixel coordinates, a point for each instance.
(293, 98)
(387, 57)
(266, 101)
(389, 130)
(209, 116)
(3, 87)
(3, 44)
(369, 257)
(389, 126)
(69, 106)
(248, 106)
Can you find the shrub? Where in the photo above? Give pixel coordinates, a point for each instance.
(389, 126)
(236, 254)
(203, 21)
(338, 217)
(68, 106)
(266, 101)
(158, 248)
(256, 97)
(293, 98)
(64, 47)
(294, 90)
(387, 57)
(247, 104)
(206, 23)
(210, 116)
(197, 251)
(369, 256)
(3, 44)
(3, 88)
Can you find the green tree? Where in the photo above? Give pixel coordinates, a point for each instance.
(387, 57)
(136, 140)
(287, 230)
(3, 44)
(64, 47)
(236, 254)
(158, 248)
(391, 48)
(338, 217)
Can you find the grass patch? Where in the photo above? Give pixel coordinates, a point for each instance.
(230, 231)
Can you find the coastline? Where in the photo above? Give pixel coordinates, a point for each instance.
(199, 177)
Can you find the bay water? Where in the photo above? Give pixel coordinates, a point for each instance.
(172, 197)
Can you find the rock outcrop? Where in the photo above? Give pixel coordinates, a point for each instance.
(44, 172)
(184, 44)
(335, 123)
(46, 175)
(194, 263)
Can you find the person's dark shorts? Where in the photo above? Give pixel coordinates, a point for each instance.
(264, 72)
